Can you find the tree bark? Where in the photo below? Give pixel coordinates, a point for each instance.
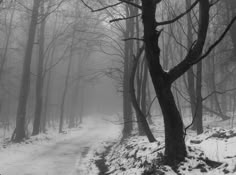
(198, 114)
(19, 133)
(40, 80)
(144, 88)
(175, 149)
(127, 110)
(149, 102)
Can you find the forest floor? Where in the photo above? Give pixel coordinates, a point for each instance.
(71, 153)
(94, 149)
(211, 153)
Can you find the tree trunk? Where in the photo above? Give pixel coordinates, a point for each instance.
(62, 106)
(144, 88)
(19, 133)
(140, 69)
(127, 110)
(75, 104)
(139, 85)
(190, 72)
(40, 80)
(46, 116)
(213, 85)
(140, 115)
(175, 149)
(81, 104)
(149, 102)
(231, 7)
(8, 37)
(198, 114)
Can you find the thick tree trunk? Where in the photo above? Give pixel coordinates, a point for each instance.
(40, 80)
(19, 133)
(175, 149)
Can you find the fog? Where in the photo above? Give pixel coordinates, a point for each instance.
(102, 96)
(92, 80)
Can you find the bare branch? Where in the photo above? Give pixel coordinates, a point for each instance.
(196, 50)
(178, 17)
(128, 39)
(131, 3)
(119, 19)
(216, 42)
(100, 9)
(218, 92)
(213, 3)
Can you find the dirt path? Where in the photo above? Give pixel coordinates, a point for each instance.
(62, 158)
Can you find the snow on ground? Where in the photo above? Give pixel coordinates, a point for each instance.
(212, 153)
(133, 156)
(78, 151)
(59, 154)
(139, 157)
(218, 145)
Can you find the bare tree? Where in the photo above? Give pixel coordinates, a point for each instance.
(19, 133)
(39, 81)
(175, 149)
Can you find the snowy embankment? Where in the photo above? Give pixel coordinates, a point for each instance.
(71, 153)
(212, 153)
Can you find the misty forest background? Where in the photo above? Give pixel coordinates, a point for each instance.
(62, 60)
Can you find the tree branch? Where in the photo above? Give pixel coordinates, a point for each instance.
(134, 101)
(128, 39)
(213, 3)
(216, 42)
(131, 3)
(196, 49)
(218, 92)
(100, 9)
(119, 19)
(178, 17)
